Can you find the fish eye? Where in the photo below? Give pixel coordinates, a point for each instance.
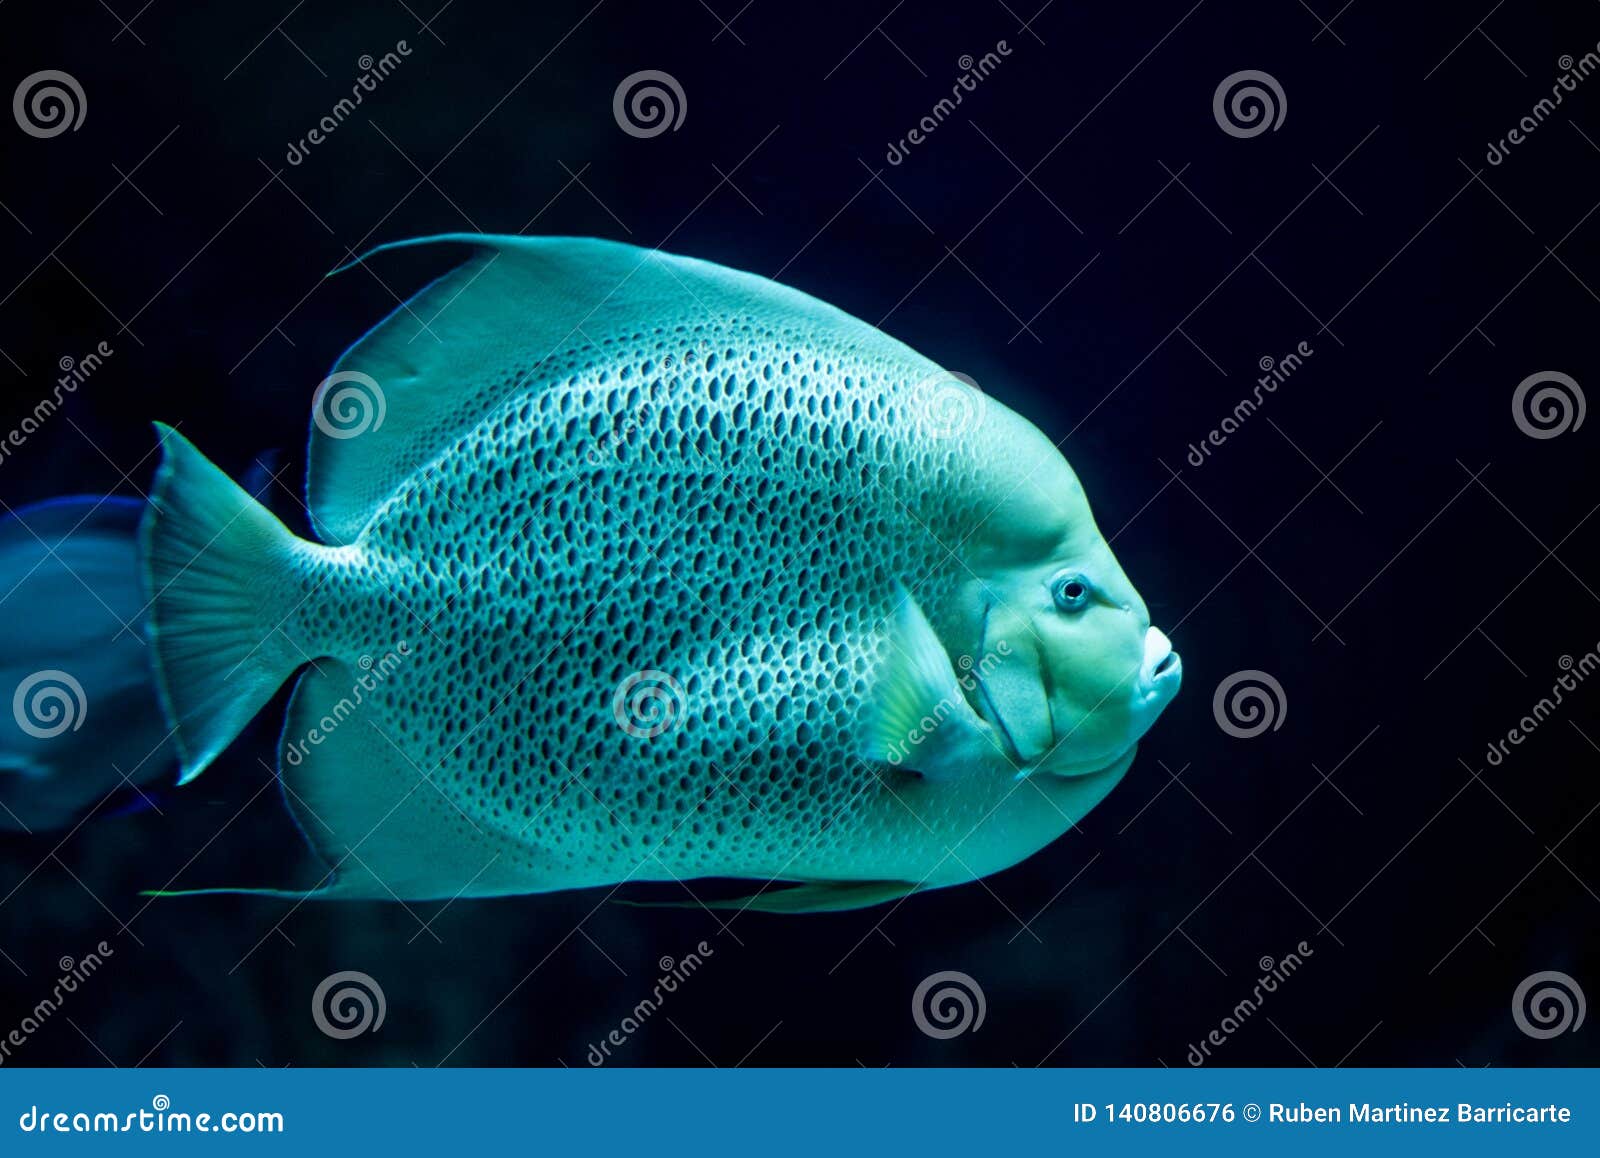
(1070, 591)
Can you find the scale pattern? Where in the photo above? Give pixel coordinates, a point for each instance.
(727, 508)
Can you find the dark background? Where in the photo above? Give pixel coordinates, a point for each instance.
(1428, 283)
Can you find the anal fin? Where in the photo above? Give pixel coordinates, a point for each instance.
(816, 897)
(376, 818)
(383, 829)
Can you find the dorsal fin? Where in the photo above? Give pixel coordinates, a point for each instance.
(520, 313)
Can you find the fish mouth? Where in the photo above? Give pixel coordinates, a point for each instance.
(989, 712)
(985, 704)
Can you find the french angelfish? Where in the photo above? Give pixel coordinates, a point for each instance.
(669, 572)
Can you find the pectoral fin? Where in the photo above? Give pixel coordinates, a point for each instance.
(919, 719)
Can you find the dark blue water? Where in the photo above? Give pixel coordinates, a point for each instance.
(1082, 237)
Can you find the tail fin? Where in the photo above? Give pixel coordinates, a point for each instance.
(75, 667)
(221, 577)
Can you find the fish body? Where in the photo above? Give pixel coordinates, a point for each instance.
(636, 568)
(80, 722)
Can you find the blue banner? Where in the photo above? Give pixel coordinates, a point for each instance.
(804, 1112)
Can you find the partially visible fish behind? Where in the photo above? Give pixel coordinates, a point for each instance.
(635, 567)
(80, 721)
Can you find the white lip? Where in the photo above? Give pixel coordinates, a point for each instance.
(1160, 691)
(1156, 648)
(1162, 685)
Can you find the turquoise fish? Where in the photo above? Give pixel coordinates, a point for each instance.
(632, 567)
